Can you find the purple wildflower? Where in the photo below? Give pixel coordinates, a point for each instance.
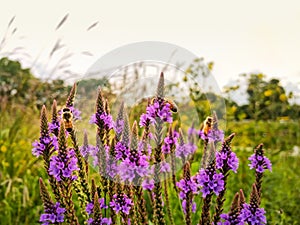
(252, 215)
(194, 206)
(165, 167)
(169, 142)
(159, 109)
(230, 220)
(185, 150)
(87, 150)
(52, 215)
(121, 203)
(44, 143)
(187, 186)
(102, 119)
(260, 163)
(54, 126)
(118, 126)
(209, 181)
(122, 151)
(134, 167)
(215, 135)
(227, 159)
(148, 184)
(61, 166)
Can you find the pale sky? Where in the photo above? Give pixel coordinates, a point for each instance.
(238, 36)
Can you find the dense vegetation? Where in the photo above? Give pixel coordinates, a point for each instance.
(268, 117)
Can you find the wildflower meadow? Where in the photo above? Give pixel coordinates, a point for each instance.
(142, 178)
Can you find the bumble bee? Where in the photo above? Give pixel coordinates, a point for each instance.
(67, 117)
(173, 106)
(207, 125)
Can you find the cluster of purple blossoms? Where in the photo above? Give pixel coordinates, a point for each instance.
(230, 220)
(87, 150)
(104, 118)
(159, 109)
(186, 187)
(148, 184)
(63, 166)
(54, 125)
(134, 167)
(213, 135)
(252, 215)
(169, 142)
(53, 215)
(185, 150)
(44, 142)
(122, 151)
(209, 181)
(227, 159)
(260, 163)
(121, 203)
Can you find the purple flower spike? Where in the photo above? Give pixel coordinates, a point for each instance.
(121, 203)
(209, 181)
(63, 167)
(170, 141)
(185, 150)
(226, 159)
(252, 215)
(148, 184)
(159, 109)
(103, 118)
(230, 220)
(44, 142)
(52, 215)
(259, 162)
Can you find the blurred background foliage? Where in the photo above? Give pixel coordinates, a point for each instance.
(267, 118)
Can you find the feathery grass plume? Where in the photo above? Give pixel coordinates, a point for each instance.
(54, 125)
(226, 160)
(260, 163)
(71, 97)
(65, 177)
